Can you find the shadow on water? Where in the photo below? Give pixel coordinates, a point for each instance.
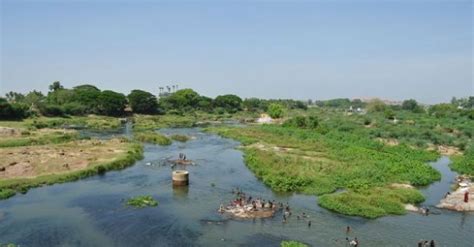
(92, 211)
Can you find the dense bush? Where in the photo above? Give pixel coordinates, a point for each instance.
(275, 110)
(152, 137)
(303, 122)
(13, 111)
(143, 102)
(231, 103)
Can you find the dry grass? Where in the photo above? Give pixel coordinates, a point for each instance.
(32, 161)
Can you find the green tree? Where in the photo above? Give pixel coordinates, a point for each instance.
(13, 97)
(231, 103)
(442, 110)
(275, 110)
(409, 105)
(254, 104)
(55, 86)
(60, 96)
(9, 111)
(143, 102)
(376, 105)
(111, 103)
(87, 95)
(184, 99)
(205, 104)
(34, 98)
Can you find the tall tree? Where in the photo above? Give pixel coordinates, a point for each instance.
(55, 86)
(111, 103)
(231, 103)
(143, 102)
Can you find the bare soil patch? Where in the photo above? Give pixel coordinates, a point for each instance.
(33, 161)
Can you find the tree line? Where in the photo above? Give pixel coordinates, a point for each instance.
(88, 99)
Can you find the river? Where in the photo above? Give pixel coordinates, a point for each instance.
(91, 212)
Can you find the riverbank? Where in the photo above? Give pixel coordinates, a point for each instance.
(456, 200)
(33, 166)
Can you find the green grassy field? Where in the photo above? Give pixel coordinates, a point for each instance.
(321, 162)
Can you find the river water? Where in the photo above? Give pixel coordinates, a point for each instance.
(91, 212)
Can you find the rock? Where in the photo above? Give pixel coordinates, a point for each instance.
(411, 208)
(402, 186)
(2, 169)
(455, 201)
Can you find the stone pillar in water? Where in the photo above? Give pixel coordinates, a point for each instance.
(180, 178)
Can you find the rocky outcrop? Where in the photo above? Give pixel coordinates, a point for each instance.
(455, 200)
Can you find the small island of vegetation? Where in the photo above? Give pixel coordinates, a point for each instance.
(142, 201)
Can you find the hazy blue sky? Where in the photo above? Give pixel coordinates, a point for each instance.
(303, 50)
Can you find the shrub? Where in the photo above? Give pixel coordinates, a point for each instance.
(152, 137)
(142, 201)
(275, 110)
(180, 138)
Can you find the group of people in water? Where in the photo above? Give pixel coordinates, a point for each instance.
(243, 199)
(182, 156)
(426, 243)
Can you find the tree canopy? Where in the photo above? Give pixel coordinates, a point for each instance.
(229, 102)
(143, 102)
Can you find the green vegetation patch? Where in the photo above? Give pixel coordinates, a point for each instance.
(371, 203)
(180, 138)
(90, 122)
(149, 122)
(152, 137)
(6, 193)
(291, 243)
(38, 138)
(319, 162)
(464, 164)
(142, 201)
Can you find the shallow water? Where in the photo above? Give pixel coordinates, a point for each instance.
(91, 212)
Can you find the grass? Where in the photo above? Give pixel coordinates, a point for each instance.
(142, 201)
(371, 203)
(90, 122)
(35, 137)
(291, 243)
(152, 137)
(180, 138)
(134, 151)
(149, 122)
(319, 163)
(464, 164)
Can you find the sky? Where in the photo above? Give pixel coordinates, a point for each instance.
(268, 49)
